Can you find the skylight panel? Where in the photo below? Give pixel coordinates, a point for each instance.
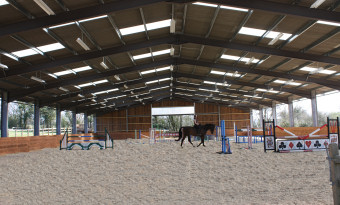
(149, 26)
(85, 85)
(150, 82)
(145, 55)
(318, 70)
(155, 81)
(205, 4)
(217, 72)
(93, 18)
(154, 70)
(161, 52)
(3, 2)
(24, 53)
(208, 90)
(234, 8)
(264, 90)
(45, 48)
(244, 59)
(260, 32)
(105, 91)
(132, 30)
(51, 47)
(156, 53)
(100, 82)
(62, 25)
(81, 21)
(328, 23)
(74, 71)
(287, 82)
(159, 88)
(82, 69)
(148, 71)
(158, 24)
(185, 94)
(162, 69)
(62, 73)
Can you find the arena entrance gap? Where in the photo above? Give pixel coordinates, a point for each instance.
(172, 118)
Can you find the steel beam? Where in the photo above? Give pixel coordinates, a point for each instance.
(74, 122)
(86, 56)
(36, 118)
(74, 15)
(282, 8)
(85, 123)
(4, 114)
(58, 119)
(301, 93)
(314, 108)
(257, 49)
(291, 112)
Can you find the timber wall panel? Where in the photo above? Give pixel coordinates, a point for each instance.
(140, 117)
(10, 145)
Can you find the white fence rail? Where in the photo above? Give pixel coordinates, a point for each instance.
(20, 132)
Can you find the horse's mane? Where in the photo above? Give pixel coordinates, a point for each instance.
(210, 127)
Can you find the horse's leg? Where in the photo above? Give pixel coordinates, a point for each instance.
(180, 133)
(189, 139)
(202, 141)
(183, 138)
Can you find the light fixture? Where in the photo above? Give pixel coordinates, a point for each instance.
(171, 68)
(172, 51)
(103, 64)
(131, 92)
(3, 66)
(37, 79)
(172, 26)
(274, 40)
(44, 7)
(63, 89)
(53, 76)
(125, 86)
(317, 3)
(80, 95)
(83, 44)
(93, 100)
(250, 60)
(117, 77)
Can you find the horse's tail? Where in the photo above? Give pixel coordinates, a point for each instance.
(179, 134)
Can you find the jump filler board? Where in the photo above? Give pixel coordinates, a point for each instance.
(294, 143)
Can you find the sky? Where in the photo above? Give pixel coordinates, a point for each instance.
(326, 103)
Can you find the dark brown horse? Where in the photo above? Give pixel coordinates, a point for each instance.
(191, 131)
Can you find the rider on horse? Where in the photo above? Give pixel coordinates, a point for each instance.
(197, 125)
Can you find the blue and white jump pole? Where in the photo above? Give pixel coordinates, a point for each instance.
(225, 140)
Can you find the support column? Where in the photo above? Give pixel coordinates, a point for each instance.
(291, 112)
(74, 122)
(4, 114)
(314, 109)
(36, 118)
(85, 123)
(261, 117)
(58, 119)
(95, 123)
(251, 118)
(274, 112)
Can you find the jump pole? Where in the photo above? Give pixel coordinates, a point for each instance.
(225, 141)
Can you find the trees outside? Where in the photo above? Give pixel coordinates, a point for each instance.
(66, 119)
(47, 117)
(172, 122)
(20, 115)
